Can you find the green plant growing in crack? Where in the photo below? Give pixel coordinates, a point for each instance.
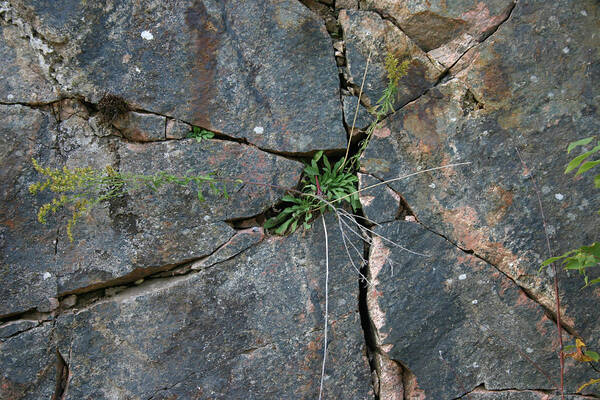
(324, 188)
(199, 134)
(320, 186)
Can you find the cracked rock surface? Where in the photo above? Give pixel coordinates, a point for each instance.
(260, 70)
(498, 105)
(161, 296)
(250, 327)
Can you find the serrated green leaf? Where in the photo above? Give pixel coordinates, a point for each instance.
(569, 347)
(587, 166)
(579, 159)
(580, 142)
(318, 155)
(294, 226)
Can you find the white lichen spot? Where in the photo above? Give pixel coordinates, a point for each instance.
(259, 130)
(550, 95)
(138, 70)
(432, 185)
(529, 350)
(475, 365)
(559, 196)
(546, 189)
(584, 13)
(474, 301)
(147, 35)
(565, 50)
(571, 216)
(10, 96)
(46, 275)
(533, 78)
(462, 277)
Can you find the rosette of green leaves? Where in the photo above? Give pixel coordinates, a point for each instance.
(336, 185)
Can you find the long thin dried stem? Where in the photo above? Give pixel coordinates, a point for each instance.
(555, 270)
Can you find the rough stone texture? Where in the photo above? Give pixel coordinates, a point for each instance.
(363, 118)
(385, 206)
(148, 229)
(367, 33)
(501, 100)
(455, 321)
(21, 78)
(13, 327)
(260, 70)
(26, 247)
(132, 236)
(246, 328)
(141, 127)
(28, 370)
(176, 129)
(444, 29)
(518, 395)
(163, 297)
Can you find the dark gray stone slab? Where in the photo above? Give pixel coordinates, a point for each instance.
(131, 236)
(260, 70)
(248, 328)
(26, 247)
(28, 365)
(147, 229)
(503, 100)
(457, 322)
(22, 79)
(363, 118)
(518, 395)
(141, 127)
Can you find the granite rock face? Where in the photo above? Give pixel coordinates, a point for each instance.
(161, 296)
(455, 321)
(244, 69)
(133, 235)
(250, 327)
(504, 110)
(28, 365)
(22, 79)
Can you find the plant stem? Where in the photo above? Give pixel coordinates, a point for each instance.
(356, 111)
(326, 307)
(555, 270)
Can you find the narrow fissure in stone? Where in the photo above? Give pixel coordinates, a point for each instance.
(366, 323)
(62, 377)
